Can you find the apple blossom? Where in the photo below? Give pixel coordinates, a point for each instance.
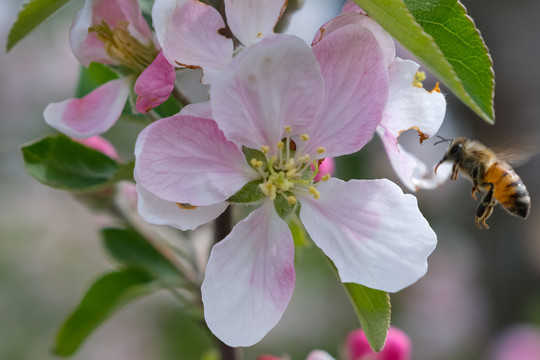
(192, 35)
(409, 106)
(280, 107)
(112, 32)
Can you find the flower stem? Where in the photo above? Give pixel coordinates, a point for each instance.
(227, 352)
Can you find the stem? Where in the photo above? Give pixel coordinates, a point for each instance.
(227, 352)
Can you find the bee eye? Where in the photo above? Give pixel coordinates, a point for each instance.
(454, 150)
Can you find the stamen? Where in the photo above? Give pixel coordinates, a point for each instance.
(320, 150)
(256, 163)
(291, 200)
(265, 149)
(325, 177)
(288, 129)
(313, 191)
(304, 137)
(418, 78)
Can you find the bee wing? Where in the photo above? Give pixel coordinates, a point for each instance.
(518, 151)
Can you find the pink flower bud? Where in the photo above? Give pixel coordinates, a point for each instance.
(326, 167)
(519, 342)
(397, 346)
(100, 144)
(268, 357)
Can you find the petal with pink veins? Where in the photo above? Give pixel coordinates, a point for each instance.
(200, 110)
(273, 83)
(386, 42)
(155, 84)
(409, 106)
(157, 211)
(374, 234)
(251, 20)
(411, 171)
(356, 90)
(249, 278)
(86, 46)
(189, 34)
(92, 114)
(186, 159)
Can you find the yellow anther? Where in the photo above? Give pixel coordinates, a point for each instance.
(325, 177)
(418, 78)
(290, 173)
(291, 200)
(290, 164)
(265, 149)
(280, 145)
(304, 159)
(304, 137)
(256, 163)
(320, 150)
(288, 128)
(313, 191)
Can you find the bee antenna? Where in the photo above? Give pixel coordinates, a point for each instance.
(442, 140)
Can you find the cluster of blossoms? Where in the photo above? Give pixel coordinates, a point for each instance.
(278, 108)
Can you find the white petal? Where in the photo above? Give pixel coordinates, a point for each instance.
(157, 211)
(374, 234)
(412, 171)
(250, 20)
(409, 106)
(249, 278)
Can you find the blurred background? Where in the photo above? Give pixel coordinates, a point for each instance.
(480, 298)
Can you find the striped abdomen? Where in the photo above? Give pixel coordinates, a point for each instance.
(508, 188)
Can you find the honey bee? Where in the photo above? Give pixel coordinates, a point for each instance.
(490, 174)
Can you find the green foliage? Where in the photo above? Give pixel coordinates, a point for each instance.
(108, 294)
(130, 249)
(33, 13)
(249, 193)
(373, 310)
(447, 42)
(282, 206)
(93, 76)
(62, 163)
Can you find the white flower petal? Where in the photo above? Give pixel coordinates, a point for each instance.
(249, 278)
(374, 234)
(157, 211)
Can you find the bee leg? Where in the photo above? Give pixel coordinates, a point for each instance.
(474, 190)
(485, 209)
(454, 172)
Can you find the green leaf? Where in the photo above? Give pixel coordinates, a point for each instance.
(131, 249)
(441, 35)
(373, 310)
(33, 13)
(62, 163)
(95, 75)
(108, 294)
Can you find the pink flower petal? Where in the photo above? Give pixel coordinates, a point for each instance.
(86, 46)
(273, 83)
(356, 90)
(189, 34)
(200, 110)
(351, 6)
(326, 167)
(102, 145)
(251, 20)
(397, 346)
(249, 278)
(411, 171)
(409, 106)
(91, 115)
(186, 159)
(386, 42)
(155, 84)
(157, 211)
(374, 234)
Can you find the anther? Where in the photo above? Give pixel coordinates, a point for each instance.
(313, 191)
(304, 137)
(291, 200)
(325, 177)
(320, 150)
(280, 145)
(256, 163)
(288, 128)
(265, 149)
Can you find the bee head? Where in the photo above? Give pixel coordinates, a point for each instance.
(455, 149)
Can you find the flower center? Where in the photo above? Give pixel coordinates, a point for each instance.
(124, 48)
(290, 171)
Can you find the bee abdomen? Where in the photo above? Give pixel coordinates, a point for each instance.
(510, 190)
